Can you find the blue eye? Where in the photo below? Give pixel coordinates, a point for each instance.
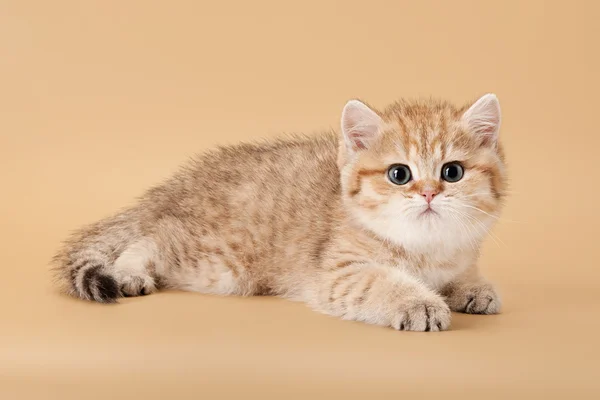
(399, 174)
(452, 172)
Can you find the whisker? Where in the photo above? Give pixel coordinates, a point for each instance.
(488, 214)
(480, 210)
(463, 223)
(465, 230)
(486, 229)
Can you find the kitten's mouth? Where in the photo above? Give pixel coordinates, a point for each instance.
(428, 212)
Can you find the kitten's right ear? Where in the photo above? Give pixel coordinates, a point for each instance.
(483, 119)
(360, 125)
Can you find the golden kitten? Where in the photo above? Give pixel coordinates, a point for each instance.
(382, 224)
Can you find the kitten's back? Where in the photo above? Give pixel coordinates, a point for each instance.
(228, 222)
(269, 206)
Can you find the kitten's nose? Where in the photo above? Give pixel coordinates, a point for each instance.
(429, 194)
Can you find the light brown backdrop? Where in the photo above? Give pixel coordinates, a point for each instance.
(100, 99)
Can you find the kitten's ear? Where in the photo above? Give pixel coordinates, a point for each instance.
(360, 125)
(483, 118)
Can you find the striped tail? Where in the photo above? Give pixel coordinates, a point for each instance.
(105, 261)
(84, 274)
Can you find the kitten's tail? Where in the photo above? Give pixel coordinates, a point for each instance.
(88, 265)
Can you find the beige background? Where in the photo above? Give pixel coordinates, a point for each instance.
(100, 99)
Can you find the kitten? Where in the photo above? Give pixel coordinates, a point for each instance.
(382, 224)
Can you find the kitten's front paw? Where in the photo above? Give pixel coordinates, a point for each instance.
(474, 299)
(424, 315)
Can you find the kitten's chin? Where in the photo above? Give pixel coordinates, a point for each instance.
(428, 232)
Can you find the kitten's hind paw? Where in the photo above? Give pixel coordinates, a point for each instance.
(136, 285)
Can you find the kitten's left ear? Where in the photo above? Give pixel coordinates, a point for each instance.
(483, 118)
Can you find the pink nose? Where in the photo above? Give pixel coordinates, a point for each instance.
(429, 194)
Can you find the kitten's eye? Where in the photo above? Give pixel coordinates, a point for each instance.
(399, 174)
(452, 172)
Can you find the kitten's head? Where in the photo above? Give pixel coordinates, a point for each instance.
(425, 175)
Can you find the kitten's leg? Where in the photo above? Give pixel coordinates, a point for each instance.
(203, 262)
(213, 273)
(379, 295)
(472, 294)
(116, 258)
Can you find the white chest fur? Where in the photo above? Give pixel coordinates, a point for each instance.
(436, 277)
